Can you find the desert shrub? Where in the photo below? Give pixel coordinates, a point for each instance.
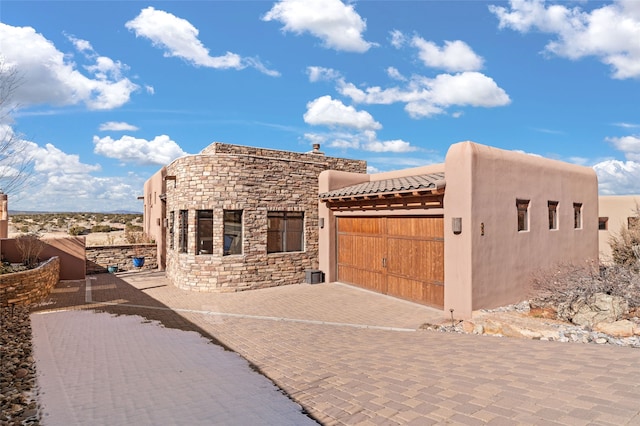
(570, 283)
(77, 230)
(103, 228)
(30, 247)
(625, 247)
(133, 234)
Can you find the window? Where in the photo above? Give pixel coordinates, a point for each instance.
(577, 215)
(285, 231)
(183, 227)
(205, 231)
(633, 222)
(232, 232)
(603, 223)
(553, 214)
(523, 214)
(171, 230)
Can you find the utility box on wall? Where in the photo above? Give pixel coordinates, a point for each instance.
(314, 276)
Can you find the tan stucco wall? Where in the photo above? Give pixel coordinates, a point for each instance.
(617, 208)
(154, 213)
(483, 183)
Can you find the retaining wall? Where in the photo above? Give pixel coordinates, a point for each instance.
(99, 258)
(31, 286)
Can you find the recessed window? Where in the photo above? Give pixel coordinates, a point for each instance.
(633, 222)
(523, 214)
(285, 231)
(205, 231)
(577, 215)
(171, 230)
(553, 214)
(232, 232)
(183, 227)
(603, 223)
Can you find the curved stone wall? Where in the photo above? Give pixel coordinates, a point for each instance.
(31, 286)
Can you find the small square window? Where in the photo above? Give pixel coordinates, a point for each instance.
(577, 215)
(553, 214)
(523, 214)
(603, 223)
(285, 231)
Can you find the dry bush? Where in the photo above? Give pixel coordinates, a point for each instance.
(570, 283)
(30, 246)
(625, 247)
(135, 235)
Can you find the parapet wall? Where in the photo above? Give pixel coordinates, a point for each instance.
(31, 286)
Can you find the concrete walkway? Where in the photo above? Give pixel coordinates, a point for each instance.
(348, 356)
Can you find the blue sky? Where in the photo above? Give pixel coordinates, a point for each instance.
(111, 91)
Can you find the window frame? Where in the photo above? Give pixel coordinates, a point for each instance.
(171, 219)
(234, 245)
(522, 209)
(577, 215)
(603, 224)
(553, 215)
(289, 221)
(183, 231)
(204, 231)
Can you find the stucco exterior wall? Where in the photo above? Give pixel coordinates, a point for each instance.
(154, 223)
(617, 209)
(256, 181)
(491, 263)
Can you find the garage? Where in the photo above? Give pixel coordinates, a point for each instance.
(401, 256)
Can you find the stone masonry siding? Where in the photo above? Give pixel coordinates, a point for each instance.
(256, 181)
(99, 258)
(30, 286)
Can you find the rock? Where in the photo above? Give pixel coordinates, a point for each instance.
(468, 326)
(21, 372)
(597, 309)
(622, 328)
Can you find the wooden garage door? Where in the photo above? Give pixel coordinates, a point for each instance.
(398, 256)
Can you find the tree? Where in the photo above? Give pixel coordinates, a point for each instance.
(16, 162)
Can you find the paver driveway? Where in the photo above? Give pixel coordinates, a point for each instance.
(350, 356)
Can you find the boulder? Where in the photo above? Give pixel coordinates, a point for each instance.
(598, 308)
(622, 328)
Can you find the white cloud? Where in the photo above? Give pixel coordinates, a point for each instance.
(322, 74)
(618, 177)
(611, 33)
(330, 112)
(117, 126)
(179, 38)
(51, 161)
(51, 77)
(335, 23)
(159, 151)
(453, 56)
(398, 39)
(393, 73)
(365, 140)
(629, 145)
(426, 97)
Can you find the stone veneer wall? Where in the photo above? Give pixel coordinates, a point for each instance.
(98, 258)
(30, 286)
(254, 180)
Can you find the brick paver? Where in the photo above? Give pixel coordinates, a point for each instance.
(349, 356)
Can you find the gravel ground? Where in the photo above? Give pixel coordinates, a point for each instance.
(18, 387)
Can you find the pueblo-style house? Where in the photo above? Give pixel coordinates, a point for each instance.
(462, 235)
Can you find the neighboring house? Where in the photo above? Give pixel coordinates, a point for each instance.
(234, 217)
(616, 212)
(460, 236)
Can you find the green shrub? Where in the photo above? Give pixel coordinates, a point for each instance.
(77, 230)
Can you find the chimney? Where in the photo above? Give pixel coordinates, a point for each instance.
(316, 149)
